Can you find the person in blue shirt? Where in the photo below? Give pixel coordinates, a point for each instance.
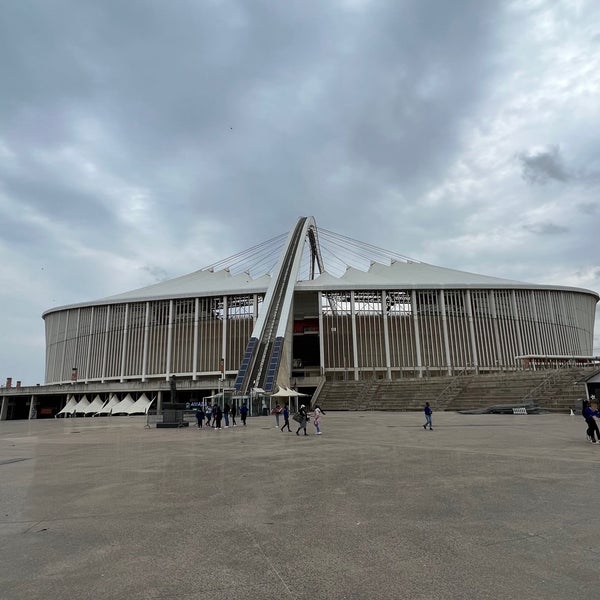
(427, 410)
(589, 415)
(244, 413)
(286, 418)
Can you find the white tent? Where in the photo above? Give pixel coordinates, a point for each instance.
(295, 393)
(122, 408)
(140, 406)
(81, 406)
(96, 404)
(69, 407)
(282, 392)
(107, 408)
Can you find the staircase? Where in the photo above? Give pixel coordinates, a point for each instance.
(556, 390)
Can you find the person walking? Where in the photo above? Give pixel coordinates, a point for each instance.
(302, 420)
(226, 413)
(244, 412)
(427, 410)
(215, 412)
(318, 414)
(277, 412)
(208, 413)
(233, 413)
(218, 412)
(286, 418)
(589, 415)
(199, 416)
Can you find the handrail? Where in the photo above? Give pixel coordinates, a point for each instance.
(453, 383)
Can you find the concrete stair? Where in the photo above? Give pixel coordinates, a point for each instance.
(556, 390)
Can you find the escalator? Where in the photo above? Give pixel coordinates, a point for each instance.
(260, 364)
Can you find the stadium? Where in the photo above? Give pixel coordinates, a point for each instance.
(307, 308)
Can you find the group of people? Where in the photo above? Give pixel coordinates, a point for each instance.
(302, 417)
(213, 415)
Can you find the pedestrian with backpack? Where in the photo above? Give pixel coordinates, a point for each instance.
(589, 415)
(302, 418)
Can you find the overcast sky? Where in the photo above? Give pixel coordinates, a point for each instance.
(141, 140)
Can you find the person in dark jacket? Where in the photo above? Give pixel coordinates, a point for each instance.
(427, 410)
(589, 415)
(233, 413)
(286, 418)
(303, 420)
(200, 416)
(244, 413)
(226, 413)
(218, 412)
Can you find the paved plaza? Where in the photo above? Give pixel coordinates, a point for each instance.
(484, 506)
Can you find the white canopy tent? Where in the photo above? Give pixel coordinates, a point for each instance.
(69, 407)
(95, 405)
(81, 406)
(141, 406)
(285, 392)
(107, 408)
(282, 392)
(122, 408)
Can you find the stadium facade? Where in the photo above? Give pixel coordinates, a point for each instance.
(312, 304)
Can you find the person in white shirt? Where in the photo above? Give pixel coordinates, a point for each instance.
(318, 415)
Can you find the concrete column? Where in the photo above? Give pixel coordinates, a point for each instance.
(195, 349)
(321, 336)
(3, 408)
(146, 338)
(224, 352)
(517, 320)
(354, 339)
(105, 352)
(413, 307)
(386, 336)
(442, 298)
(64, 351)
(494, 315)
(32, 408)
(159, 403)
(469, 308)
(169, 341)
(89, 348)
(124, 347)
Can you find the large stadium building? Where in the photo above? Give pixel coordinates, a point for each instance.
(309, 307)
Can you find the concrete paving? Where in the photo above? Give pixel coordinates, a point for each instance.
(484, 506)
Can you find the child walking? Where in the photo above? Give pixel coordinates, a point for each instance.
(427, 410)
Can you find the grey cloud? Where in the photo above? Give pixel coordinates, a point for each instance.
(254, 103)
(157, 273)
(210, 126)
(546, 228)
(588, 208)
(539, 167)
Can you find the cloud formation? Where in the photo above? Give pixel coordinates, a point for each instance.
(543, 165)
(144, 140)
